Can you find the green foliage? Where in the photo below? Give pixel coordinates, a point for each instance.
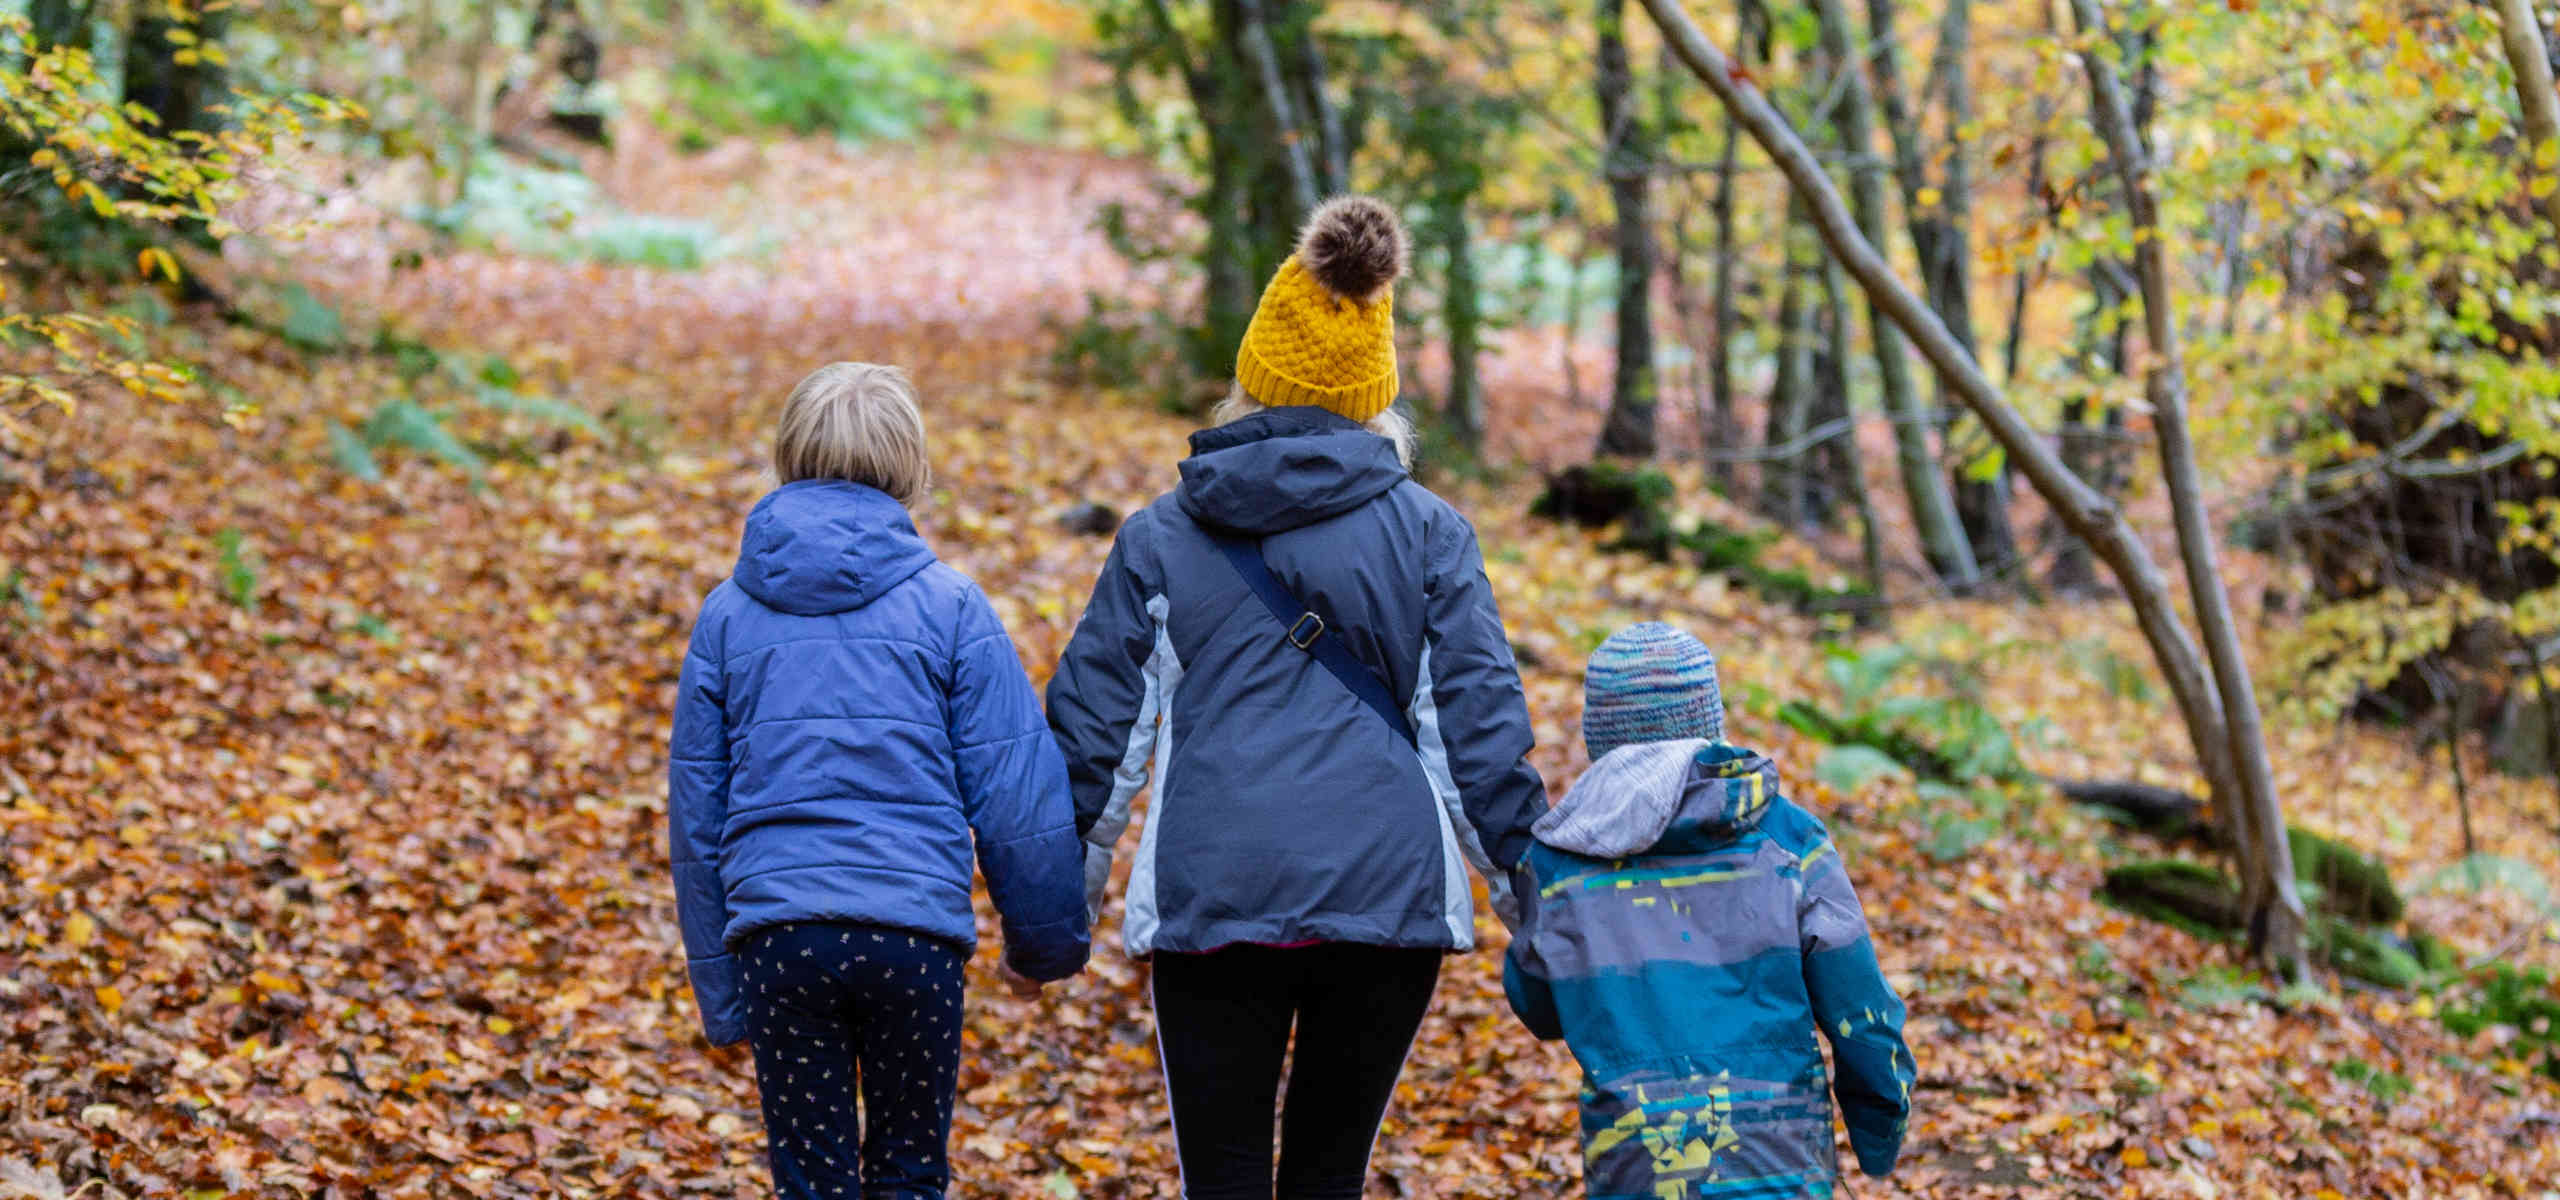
(785, 71)
(236, 568)
(2524, 1000)
(2388, 1087)
(406, 424)
(1114, 345)
(309, 323)
(524, 208)
(1950, 739)
(2222, 986)
(2483, 872)
(418, 422)
(1849, 769)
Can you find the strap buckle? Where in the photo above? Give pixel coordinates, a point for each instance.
(1308, 640)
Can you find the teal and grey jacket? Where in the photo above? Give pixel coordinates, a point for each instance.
(1686, 929)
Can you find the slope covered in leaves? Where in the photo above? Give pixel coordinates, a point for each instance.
(331, 811)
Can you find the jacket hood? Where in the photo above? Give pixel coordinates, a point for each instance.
(1636, 796)
(823, 546)
(1282, 468)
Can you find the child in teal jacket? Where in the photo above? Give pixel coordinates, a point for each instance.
(1686, 930)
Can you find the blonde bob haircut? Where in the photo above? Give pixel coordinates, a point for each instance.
(856, 422)
(1390, 424)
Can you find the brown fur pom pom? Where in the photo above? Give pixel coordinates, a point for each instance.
(1353, 246)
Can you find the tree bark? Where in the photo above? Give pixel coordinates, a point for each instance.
(2278, 925)
(2093, 516)
(1723, 433)
(1782, 475)
(1933, 509)
(1629, 428)
(1333, 153)
(182, 94)
(1849, 468)
(1463, 407)
(1253, 33)
(2528, 57)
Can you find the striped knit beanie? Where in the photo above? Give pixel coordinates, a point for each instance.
(1650, 683)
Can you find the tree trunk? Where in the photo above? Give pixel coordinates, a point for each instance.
(1573, 322)
(2528, 57)
(2095, 518)
(54, 23)
(1782, 472)
(1253, 33)
(1332, 155)
(1724, 429)
(1629, 429)
(166, 72)
(1853, 467)
(2277, 925)
(1462, 409)
(1933, 509)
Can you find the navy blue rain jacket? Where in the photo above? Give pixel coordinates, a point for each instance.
(852, 718)
(1285, 809)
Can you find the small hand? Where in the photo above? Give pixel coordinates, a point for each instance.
(1022, 986)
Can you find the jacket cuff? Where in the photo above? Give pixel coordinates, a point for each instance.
(1876, 1155)
(1048, 951)
(718, 991)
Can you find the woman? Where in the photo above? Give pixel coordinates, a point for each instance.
(1303, 641)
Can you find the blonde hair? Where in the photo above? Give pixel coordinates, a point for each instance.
(1390, 423)
(857, 422)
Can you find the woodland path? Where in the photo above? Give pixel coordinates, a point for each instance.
(367, 885)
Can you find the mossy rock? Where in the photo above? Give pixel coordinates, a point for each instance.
(2174, 891)
(1601, 494)
(2360, 952)
(2352, 884)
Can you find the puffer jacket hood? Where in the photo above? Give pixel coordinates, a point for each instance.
(823, 546)
(1697, 792)
(1283, 468)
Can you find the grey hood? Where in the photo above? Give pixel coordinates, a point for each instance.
(1641, 795)
(1282, 468)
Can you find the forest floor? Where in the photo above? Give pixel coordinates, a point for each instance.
(331, 811)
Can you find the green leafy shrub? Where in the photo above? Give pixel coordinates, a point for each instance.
(237, 568)
(1947, 738)
(542, 211)
(786, 72)
(2524, 999)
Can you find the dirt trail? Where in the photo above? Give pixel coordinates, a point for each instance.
(361, 884)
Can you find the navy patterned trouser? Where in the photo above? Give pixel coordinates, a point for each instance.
(839, 1011)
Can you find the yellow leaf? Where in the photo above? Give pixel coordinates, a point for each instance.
(110, 999)
(1928, 197)
(2135, 1157)
(133, 835)
(501, 1026)
(274, 983)
(79, 930)
(2540, 187)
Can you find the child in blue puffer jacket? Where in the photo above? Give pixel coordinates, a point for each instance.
(1686, 930)
(851, 724)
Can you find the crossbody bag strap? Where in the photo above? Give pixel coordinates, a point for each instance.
(1304, 629)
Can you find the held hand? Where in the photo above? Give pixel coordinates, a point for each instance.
(1022, 986)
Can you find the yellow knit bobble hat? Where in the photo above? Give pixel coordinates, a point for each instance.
(1325, 332)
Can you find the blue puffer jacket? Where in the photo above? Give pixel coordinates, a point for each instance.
(1691, 930)
(851, 715)
(1285, 809)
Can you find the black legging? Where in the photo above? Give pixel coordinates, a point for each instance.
(1222, 1024)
